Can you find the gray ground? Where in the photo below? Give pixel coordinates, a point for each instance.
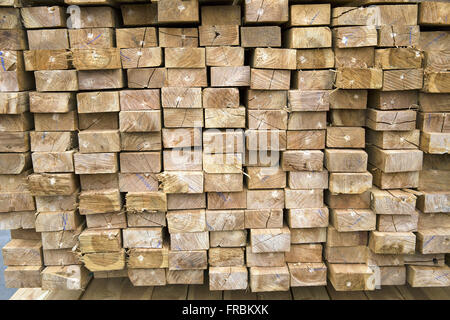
(5, 293)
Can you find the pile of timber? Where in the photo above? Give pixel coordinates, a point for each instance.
(261, 145)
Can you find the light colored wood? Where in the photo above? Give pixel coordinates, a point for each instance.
(221, 15)
(315, 58)
(16, 201)
(347, 160)
(72, 277)
(348, 99)
(144, 258)
(140, 57)
(346, 220)
(263, 218)
(234, 238)
(53, 221)
(355, 37)
(270, 240)
(151, 201)
(394, 180)
(48, 39)
(398, 35)
(398, 58)
(264, 259)
(434, 240)
(187, 77)
(56, 80)
(178, 37)
(100, 79)
(46, 60)
(395, 160)
(19, 252)
(264, 36)
(147, 78)
(263, 279)
(44, 184)
(188, 260)
(351, 277)
(92, 240)
(223, 220)
(11, 17)
(306, 139)
(264, 199)
(218, 35)
(350, 183)
(310, 14)
(347, 254)
(436, 82)
(345, 137)
(434, 13)
(228, 278)
(189, 241)
(178, 201)
(14, 163)
(23, 276)
(226, 257)
(181, 97)
(426, 276)
(433, 122)
(273, 11)
(302, 160)
(224, 56)
(392, 242)
(314, 80)
(14, 141)
(17, 220)
(409, 79)
(104, 261)
(308, 38)
(108, 220)
(342, 239)
(393, 139)
(359, 57)
(13, 102)
(272, 58)
(140, 121)
(147, 277)
(375, 15)
(14, 39)
(435, 142)
(186, 221)
(304, 253)
(182, 277)
(91, 38)
(307, 274)
(100, 201)
(187, 11)
(225, 117)
(307, 218)
(230, 76)
(151, 238)
(263, 79)
(392, 202)
(310, 198)
(355, 78)
(65, 239)
(143, 37)
(184, 57)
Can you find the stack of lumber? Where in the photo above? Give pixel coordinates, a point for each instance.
(428, 267)
(348, 196)
(392, 147)
(247, 144)
(23, 254)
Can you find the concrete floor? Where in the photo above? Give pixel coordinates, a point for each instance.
(5, 293)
